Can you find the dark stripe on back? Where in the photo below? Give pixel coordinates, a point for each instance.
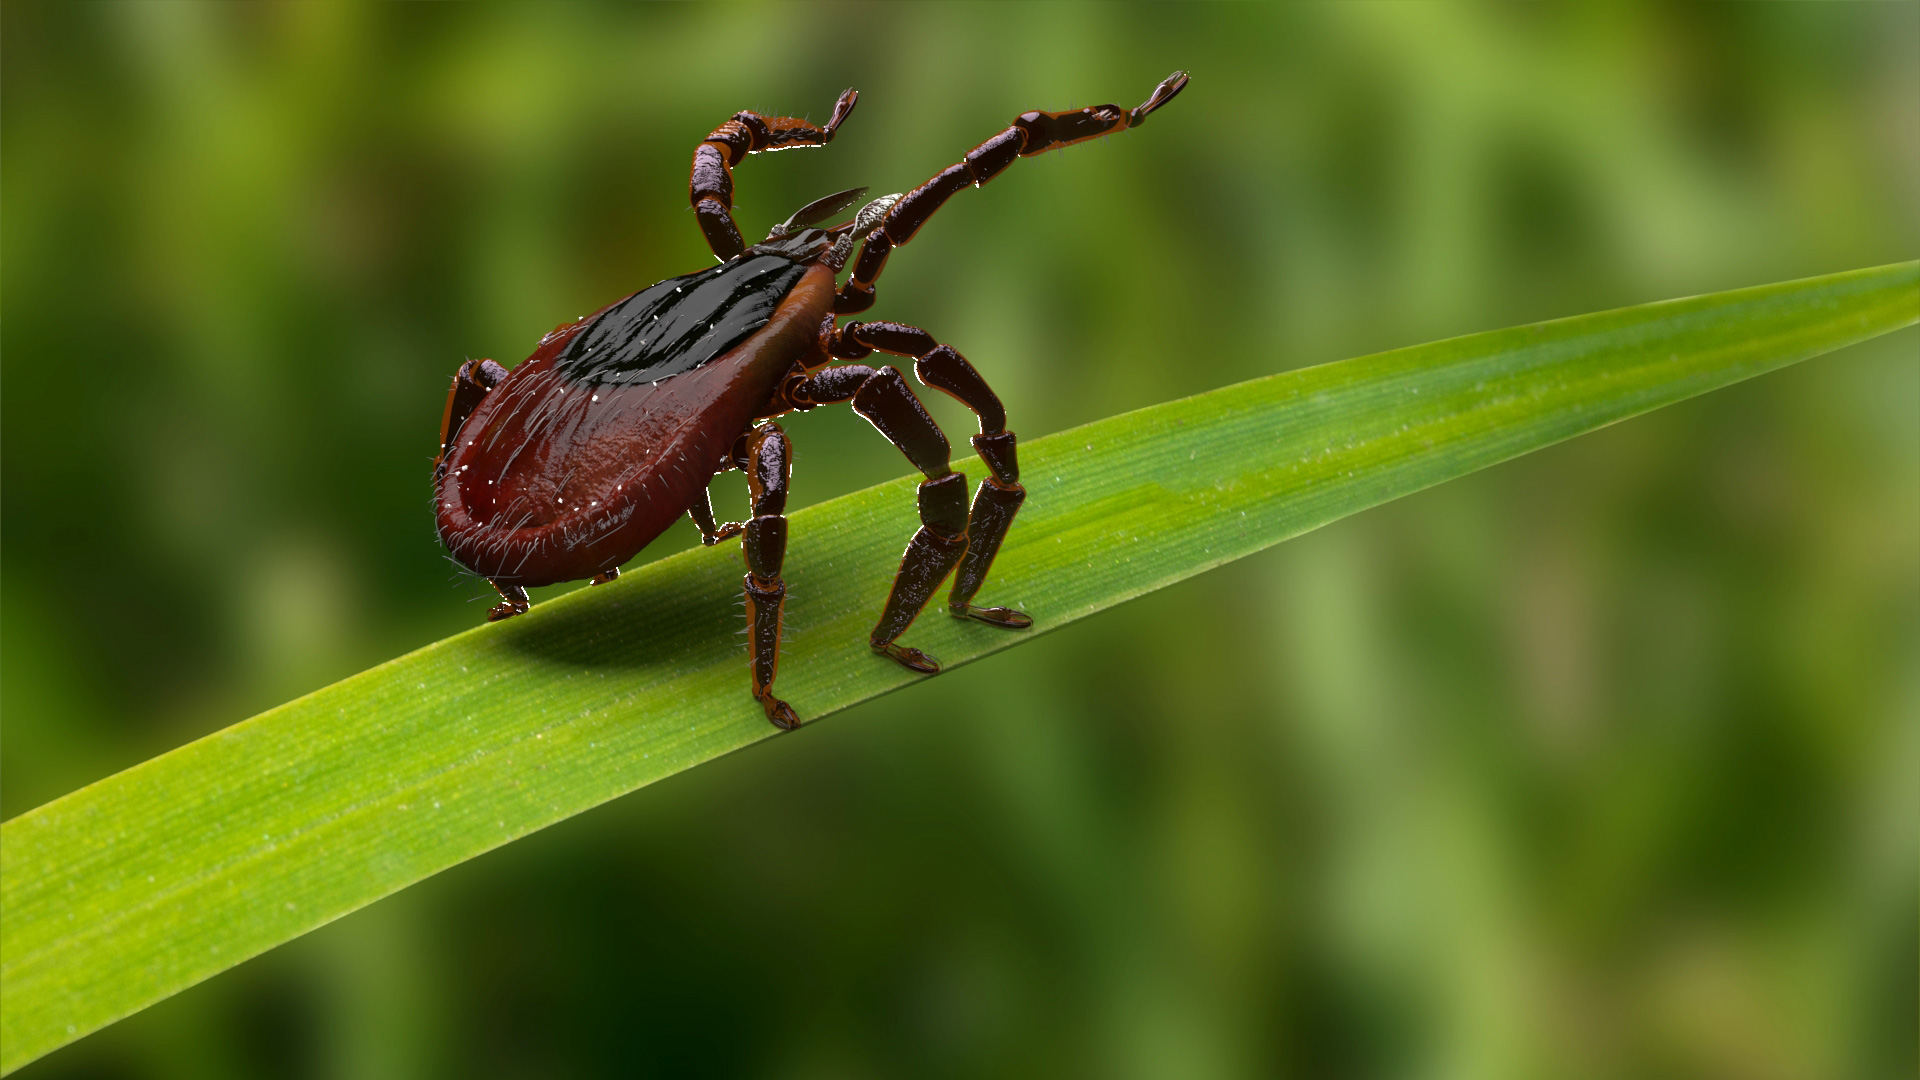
(681, 323)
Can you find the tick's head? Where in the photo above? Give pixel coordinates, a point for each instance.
(803, 245)
(815, 212)
(797, 239)
(870, 217)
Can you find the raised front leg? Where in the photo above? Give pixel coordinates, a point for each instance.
(710, 186)
(1000, 494)
(885, 400)
(768, 463)
(1032, 133)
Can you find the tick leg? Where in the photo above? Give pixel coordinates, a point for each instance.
(513, 601)
(711, 533)
(885, 400)
(929, 558)
(710, 187)
(471, 383)
(1000, 494)
(1031, 133)
(768, 465)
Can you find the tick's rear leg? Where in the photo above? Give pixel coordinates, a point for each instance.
(885, 400)
(711, 532)
(768, 463)
(474, 381)
(513, 601)
(1000, 494)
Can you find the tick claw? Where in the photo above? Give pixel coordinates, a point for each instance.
(780, 713)
(1004, 617)
(602, 579)
(908, 657)
(513, 601)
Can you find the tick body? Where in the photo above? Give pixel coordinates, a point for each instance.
(570, 464)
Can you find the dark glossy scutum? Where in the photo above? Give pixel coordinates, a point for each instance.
(679, 324)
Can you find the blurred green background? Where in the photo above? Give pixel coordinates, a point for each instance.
(1601, 763)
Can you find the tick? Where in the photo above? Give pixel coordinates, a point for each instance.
(566, 466)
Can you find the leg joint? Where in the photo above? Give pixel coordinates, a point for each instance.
(733, 140)
(765, 590)
(756, 128)
(853, 298)
(943, 505)
(513, 601)
(997, 451)
(845, 345)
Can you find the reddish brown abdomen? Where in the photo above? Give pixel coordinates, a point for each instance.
(552, 480)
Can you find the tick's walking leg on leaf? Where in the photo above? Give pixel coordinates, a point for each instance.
(1000, 494)
(767, 460)
(883, 397)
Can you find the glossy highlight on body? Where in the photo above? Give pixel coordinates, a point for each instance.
(679, 324)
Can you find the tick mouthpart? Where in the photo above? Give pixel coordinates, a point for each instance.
(817, 211)
(870, 217)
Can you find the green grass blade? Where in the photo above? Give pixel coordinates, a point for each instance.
(151, 880)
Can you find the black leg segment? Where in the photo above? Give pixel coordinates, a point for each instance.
(768, 463)
(1031, 133)
(710, 184)
(1000, 494)
(929, 558)
(884, 399)
(994, 505)
(711, 532)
